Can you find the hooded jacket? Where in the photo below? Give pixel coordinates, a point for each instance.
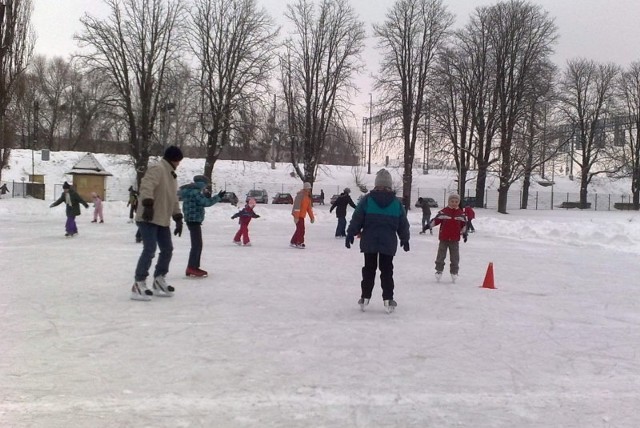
(160, 185)
(302, 205)
(194, 201)
(380, 219)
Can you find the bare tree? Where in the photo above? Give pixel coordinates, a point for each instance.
(232, 41)
(409, 39)
(587, 94)
(629, 94)
(522, 36)
(318, 65)
(133, 48)
(16, 48)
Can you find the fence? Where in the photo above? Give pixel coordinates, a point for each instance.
(22, 189)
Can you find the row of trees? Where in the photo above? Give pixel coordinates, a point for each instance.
(215, 74)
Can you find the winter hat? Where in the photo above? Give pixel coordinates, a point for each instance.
(94, 195)
(306, 185)
(201, 179)
(251, 202)
(66, 185)
(453, 196)
(346, 191)
(173, 154)
(383, 179)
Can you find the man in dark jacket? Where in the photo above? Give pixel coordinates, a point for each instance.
(380, 219)
(340, 205)
(426, 215)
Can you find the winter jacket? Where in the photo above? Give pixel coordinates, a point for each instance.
(245, 214)
(340, 204)
(452, 224)
(160, 185)
(469, 212)
(426, 209)
(133, 198)
(72, 205)
(194, 201)
(380, 219)
(302, 205)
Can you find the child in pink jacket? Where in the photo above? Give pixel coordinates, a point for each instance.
(97, 208)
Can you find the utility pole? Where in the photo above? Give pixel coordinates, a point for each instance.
(370, 118)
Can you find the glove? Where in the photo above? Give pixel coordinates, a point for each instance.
(404, 245)
(147, 213)
(348, 241)
(464, 237)
(221, 194)
(178, 219)
(256, 216)
(313, 220)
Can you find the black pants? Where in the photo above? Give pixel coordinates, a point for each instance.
(371, 261)
(195, 231)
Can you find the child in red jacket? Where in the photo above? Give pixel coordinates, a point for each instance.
(245, 214)
(452, 222)
(470, 214)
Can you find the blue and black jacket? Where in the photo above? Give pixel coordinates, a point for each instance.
(380, 219)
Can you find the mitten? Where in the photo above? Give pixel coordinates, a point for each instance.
(464, 237)
(313, 220)
(256, 216)
(348, 241)
(404, 245)
(178, 219)
(147, 212)
(221, 194)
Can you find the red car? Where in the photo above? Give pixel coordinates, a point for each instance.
(282, 198)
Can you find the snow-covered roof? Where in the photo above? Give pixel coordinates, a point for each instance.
(88, 165)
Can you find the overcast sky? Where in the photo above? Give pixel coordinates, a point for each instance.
(602, 30)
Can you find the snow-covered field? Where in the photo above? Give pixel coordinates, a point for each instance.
(274, 337)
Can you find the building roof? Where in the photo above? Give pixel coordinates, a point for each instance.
(88, 165)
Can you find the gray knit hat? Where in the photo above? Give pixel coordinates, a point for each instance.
(383, 179)
(453, 196)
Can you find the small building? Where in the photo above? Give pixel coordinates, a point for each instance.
(89, 176)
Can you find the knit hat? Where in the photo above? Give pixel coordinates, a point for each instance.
(383, 179)
(66, 185)
(306, 185)
(173, 154)
(453, 196)
(201, 179)
(251, 202)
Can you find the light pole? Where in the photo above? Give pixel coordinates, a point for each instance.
(370, 113)
(427, 140)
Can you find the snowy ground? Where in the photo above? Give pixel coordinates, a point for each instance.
(274, 338)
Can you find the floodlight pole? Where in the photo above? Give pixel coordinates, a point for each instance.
(370, 113)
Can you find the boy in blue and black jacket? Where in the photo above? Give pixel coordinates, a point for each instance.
(194, 200)
(380, 219)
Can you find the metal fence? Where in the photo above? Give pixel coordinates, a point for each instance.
(21, 189)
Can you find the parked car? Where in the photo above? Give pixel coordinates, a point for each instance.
(230, 198)
(430, 202)
(282, 198)
(317, 199)
(260, 196)
(469, 201)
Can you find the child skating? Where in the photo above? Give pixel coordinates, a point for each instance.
(452, 224)
(245, 215)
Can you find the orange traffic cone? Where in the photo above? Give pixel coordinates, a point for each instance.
(488, 278)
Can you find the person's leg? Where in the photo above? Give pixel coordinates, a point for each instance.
(342, 225)
(424, 224)
(236, 237)
(166, 251)
(386, 276)
(369, 274)
(149, 238)
(68, 226)
(440, 257)
(454, 256)
(298, 235)
(73, 226)
(245, 233)
(195, 234)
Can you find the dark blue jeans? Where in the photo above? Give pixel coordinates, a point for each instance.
(154, 236)
(195, 231)
(342, 225)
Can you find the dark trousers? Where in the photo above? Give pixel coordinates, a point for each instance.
(70, 226)
(371, 263)
(342, 225)
(298, 235)
(425, 223)
(195, 232)
(132, 211)
(154, 236)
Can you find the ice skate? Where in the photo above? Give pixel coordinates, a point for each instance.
(161, 288)
(454, 277)
(139, 291)
(438, 276)
(390, 305)
(363, 303)
(195, 272)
